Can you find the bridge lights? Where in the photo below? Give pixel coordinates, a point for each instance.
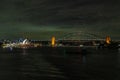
(53, 41)
(108, 40)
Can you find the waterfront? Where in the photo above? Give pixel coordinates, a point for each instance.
(54, 64)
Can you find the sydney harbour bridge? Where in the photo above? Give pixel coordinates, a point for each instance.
(79, 38)
(82, 36)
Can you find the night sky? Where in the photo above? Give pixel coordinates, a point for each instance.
(41, 19)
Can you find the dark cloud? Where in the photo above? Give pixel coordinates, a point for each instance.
(70, 11)
(91, 14)
(60, 11)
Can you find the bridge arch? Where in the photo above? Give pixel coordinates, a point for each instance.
(81, 36)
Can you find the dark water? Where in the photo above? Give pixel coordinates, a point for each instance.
(59, 65)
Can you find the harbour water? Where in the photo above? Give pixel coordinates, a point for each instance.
(59, 65)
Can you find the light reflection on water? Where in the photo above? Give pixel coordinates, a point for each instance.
(56, 65)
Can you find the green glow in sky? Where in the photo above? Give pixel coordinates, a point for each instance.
(40, 19)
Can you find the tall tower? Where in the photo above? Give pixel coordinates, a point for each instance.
(53, 41)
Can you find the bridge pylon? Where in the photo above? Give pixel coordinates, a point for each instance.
(53, 41)
(108, 40)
